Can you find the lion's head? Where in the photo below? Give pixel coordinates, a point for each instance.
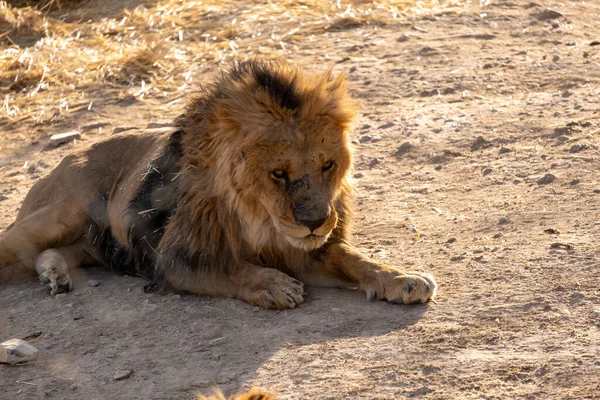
(275, 144)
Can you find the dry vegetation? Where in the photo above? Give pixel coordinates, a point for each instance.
(55, 57)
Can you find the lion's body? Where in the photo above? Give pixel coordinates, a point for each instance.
(245, 196)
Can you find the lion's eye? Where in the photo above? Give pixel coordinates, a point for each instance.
(279, 174)
(328, 165)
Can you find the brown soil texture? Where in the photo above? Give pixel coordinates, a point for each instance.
(490, 101)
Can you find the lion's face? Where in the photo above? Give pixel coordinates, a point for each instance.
(298, 173)
(277, 142)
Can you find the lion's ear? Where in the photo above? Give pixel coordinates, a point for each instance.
(340, 106)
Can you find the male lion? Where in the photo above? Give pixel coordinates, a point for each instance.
(248, 198)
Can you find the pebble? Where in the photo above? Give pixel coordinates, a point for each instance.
(120, 129)
(504, 150)
(158, 125)
(366, 138)
(375, 138)
(148, 307)
(359, 175)
(576, 297)
(387, 125)
(16, 351)
(576, 148)
(373, 162)
(596, 314)
(480, 143)
(503, 221)
(404, 148)
(547, 14)
(94, 283)
(62, 138)
(123, 374)
(403, 38)
(546, 179)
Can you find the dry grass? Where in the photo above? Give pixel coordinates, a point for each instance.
(49, 61)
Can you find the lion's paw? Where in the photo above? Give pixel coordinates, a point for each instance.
(278, 291)
(403, 288)
(53, 271)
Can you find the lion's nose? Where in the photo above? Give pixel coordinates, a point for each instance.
(312, 224)
(310, 218)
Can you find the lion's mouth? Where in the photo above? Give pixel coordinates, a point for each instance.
(302, 237)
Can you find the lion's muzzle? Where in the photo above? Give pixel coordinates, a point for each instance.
(311, 216)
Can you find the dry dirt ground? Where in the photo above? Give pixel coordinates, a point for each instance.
(490, 101)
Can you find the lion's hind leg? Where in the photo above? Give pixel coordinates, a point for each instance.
(53, 266)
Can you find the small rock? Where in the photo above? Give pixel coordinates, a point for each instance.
(387, 125)
(546, 179)
(94, 282)
(486, 171)
(480, 143)
(575, 181)
(404, 148)
(123, 374)
(62, 138)
(556, 58)
(95, 126)
(148, 307)
(504, 150)
(596, 315)
(576, 148)
(451, 240)
(421, 392)
(375, 138)
(359, 175)
(3, 197)
(33, 335)
(16, 351)
(158, 125)
(403, 38)
(120, 129)
(427, 51)
(366, 138)
(373, 162)
(503, 221)
(459, 257)
(576, 297)
(547, 15)
(438, 167)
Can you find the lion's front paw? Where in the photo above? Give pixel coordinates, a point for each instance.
(403, 288)
(53, 271)
(276, 290)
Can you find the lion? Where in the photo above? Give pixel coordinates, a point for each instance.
(247, 197)
(252, 394)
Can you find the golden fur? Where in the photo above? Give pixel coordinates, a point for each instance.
(248, 198)
(252, 394)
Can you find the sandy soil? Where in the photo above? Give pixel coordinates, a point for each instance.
(490, 101)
